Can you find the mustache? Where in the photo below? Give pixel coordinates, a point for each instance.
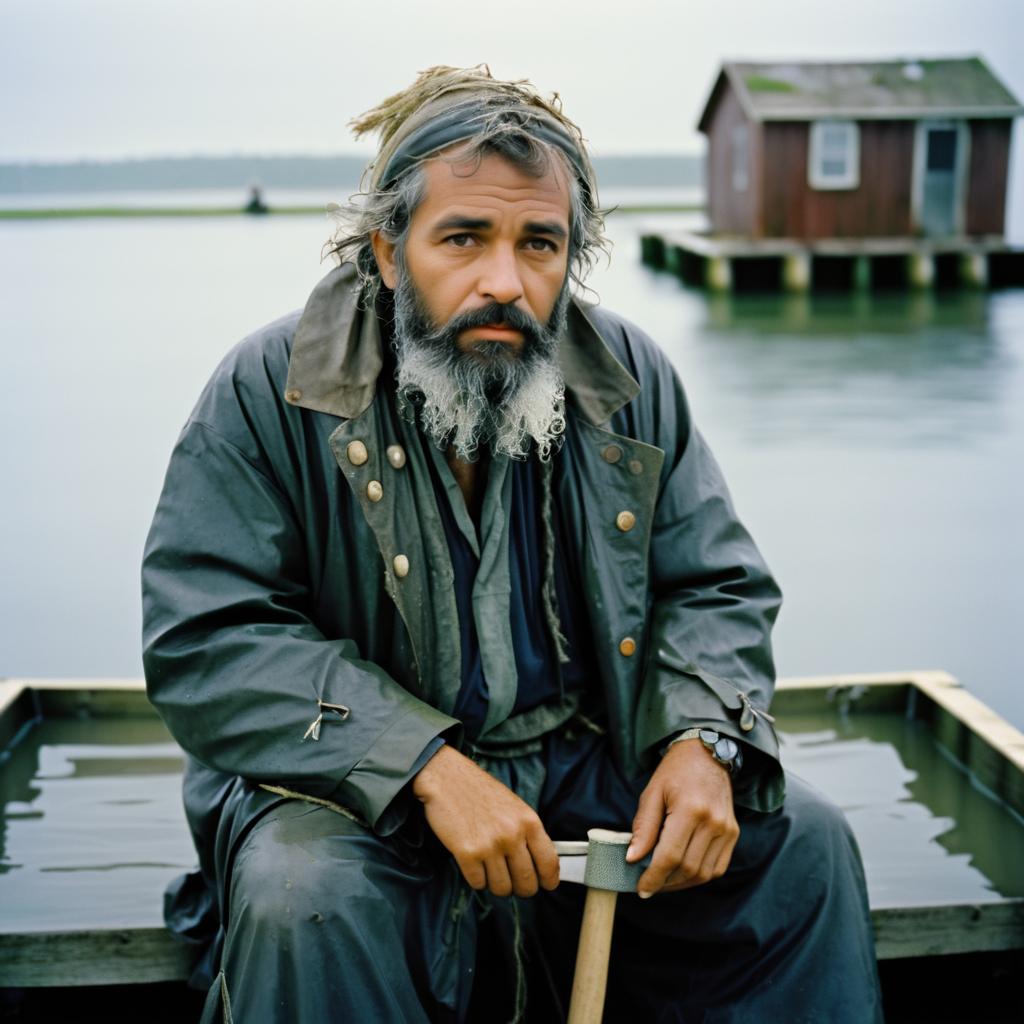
(508, 315)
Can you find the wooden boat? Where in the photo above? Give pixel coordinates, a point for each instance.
(91, 827)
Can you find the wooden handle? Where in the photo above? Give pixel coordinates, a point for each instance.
(591, 977)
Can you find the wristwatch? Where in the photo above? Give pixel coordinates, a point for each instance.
(724, 750)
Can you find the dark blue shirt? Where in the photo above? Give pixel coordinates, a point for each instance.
(540, 677)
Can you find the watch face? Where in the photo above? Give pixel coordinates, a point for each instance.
(726, 749)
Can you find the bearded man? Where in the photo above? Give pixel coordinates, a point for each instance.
(442, 571)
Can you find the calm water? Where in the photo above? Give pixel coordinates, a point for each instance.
(875, 446)
(927, 834)
(91, 825)
(92, 828)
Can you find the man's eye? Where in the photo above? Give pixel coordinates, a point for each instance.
(541, 245)
(460, 241)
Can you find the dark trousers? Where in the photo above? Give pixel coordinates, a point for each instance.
(329, 922)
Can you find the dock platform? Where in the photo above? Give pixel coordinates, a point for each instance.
(731, 263)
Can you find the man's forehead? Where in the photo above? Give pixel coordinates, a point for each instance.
(493, 183)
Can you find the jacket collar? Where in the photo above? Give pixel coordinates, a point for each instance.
(336, 356)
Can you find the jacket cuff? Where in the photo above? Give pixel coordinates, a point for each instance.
(376, 780)
(395, 814)
(679, 695)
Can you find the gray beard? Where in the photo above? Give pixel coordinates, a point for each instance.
(491, 396)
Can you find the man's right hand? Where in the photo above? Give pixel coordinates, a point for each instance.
(497, 839)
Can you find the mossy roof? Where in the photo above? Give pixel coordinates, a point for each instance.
(909, 88)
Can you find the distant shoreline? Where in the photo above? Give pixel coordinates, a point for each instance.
(77, 213)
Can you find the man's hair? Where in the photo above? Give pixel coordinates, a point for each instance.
(505, 125)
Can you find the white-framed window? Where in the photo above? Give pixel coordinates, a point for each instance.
(834, 155)
(740, 158)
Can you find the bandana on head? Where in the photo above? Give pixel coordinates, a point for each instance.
(447, 106)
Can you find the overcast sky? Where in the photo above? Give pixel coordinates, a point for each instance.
(111, 78)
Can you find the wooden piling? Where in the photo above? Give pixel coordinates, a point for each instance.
(723, 263)
(718, 273)
(974, 269)
(796, 271)
(920, 269)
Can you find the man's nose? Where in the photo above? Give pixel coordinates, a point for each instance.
(499, 277)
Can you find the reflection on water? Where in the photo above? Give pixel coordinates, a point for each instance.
(926, 833)
(91, 825)
(826, 314)
(918, 369)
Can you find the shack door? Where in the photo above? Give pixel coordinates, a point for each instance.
(941, 159)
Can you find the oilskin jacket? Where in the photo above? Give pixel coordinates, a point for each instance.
(297, 557)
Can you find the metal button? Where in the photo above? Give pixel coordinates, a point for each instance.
(627, 647)
(401, 566)
(396, 456)
(292, 395)
(612, 453)
(357, 453)
(625, 521)
(636, 467)
(374, 491)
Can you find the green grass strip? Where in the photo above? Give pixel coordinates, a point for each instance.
(659, 208)
(151, 211)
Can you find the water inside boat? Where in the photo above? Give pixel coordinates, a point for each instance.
(92, 829)
(928, 833)
(91, 825)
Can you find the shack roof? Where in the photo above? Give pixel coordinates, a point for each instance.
(864, 90)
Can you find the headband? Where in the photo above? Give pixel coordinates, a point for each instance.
(441, 122)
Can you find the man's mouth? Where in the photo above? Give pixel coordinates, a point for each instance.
(492, 332)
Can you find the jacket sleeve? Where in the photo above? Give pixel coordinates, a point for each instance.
(714, 603)
(234, 664)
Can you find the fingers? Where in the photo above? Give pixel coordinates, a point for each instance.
(707, 856)
(522, 873)
(518, 874)
(473, 872)
(498, 879)
(701, 856)
(712, 865)
(545, 860)
(676, 836)
(517, 869)
(725, 854)
(529, 863)
(646, 823)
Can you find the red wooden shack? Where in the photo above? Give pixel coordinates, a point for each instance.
(892, 149)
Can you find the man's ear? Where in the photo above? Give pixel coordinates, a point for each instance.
(384, 253)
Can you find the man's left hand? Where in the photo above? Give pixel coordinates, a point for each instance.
(686, 817)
